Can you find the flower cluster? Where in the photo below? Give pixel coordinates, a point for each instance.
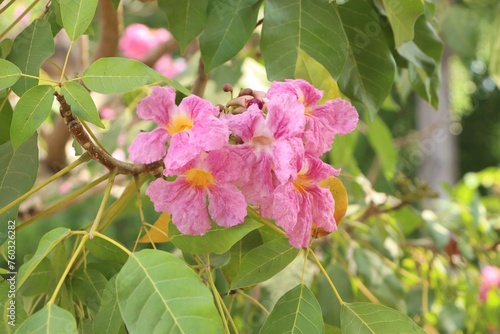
(263, 151)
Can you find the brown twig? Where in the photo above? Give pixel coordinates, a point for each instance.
(201, 80)
(96, 153)
(109, 36)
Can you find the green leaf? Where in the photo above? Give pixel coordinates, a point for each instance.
(264, 262)
(31, 48)
(77, 15)
(6, 303)
(379, 278)
(5, 47)
(402, 16)
(424, 54)
(380, 139)
(460, 28)
(30, 112)
(106, 251)
(49, 320)
(5, 122)
(495, 51)
(368, 73)
(159, 293)
(58, 259)
(309, 69)
(185, 19)
(38, 281)
(122, 75)
(359, 318)
(309, 25)
(330, 305)
(54, 17)
(238, 252)
(217, 240)
(18, 169)
(81, 103)
(46, 244)
(229, 26)
(9, 74)
(94, 283)
(297, 311)
(109, 320)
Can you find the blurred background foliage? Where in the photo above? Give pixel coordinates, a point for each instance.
(399, 245)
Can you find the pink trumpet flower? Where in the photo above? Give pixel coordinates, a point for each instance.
(323, 122)
(189, 128)
(209, 176)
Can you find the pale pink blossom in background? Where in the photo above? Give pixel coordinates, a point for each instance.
(139, 40)
(107, 113)
(65, 187)
(25, 21)
(490, 278)
(170, 67)
(209, 176)
(118, 154)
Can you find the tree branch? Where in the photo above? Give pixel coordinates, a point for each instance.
(96, 153)
(201, 80)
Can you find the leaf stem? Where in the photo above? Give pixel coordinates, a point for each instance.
(304, 265)
(62, 202)
(215, 292)
(256, 215)
(66, 62)
(39, 78)
(7, 6)
(16, 21)
(105, 198)
(68, 267)
(253, 300)
(117, 244)
(83, 158)
(118, 206)
(318, 262)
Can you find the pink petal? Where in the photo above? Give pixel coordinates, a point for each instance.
(317, 139)
(225, 165)
(318, 170)
(179, 153)
(208, 133)
(301, 233)
(285, 206)
(324, 205)
(158, 105)
(227, 205)
(285, 116)
(244, 125)
(338, 116)
(287, 158)
(196, 106)
(303, 90)
(148, 147)
(186, 205)
(260, 184)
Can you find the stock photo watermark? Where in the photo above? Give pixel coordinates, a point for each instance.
(12, 273)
